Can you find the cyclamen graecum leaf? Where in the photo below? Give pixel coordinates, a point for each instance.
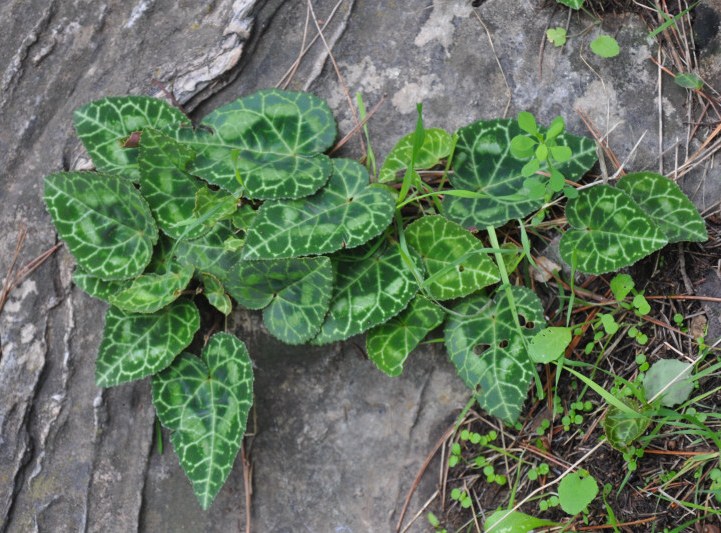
(205, 402)
(455, 262)
(369, 289)
(664, 201)
(137, 345)
(389, 344)
(436, 146)
(150, 292)
(105, 125)
(215, 293)
(346, 213)
(96, 287)
(293, 292)
(169, 190)
(266, 145)
(483, 163)
(488, 350)
(208, 254)
(104, 221)
(609, 231)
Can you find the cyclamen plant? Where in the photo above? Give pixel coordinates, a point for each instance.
(245, 205)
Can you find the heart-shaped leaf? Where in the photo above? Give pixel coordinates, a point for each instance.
(104, 221)
(666, 204)
(208, 253)
(169, 190)
(105, 128)
(150, 292)
(294, 292)
(389, 344)
(436, 146)
(609, 231)
(369, 289)
(138, 345)
(576, 491)
(215, 293)
(489, 351)
(346, 213)
(266, 145)
(456, 264)
(483, 163)
(205, 402)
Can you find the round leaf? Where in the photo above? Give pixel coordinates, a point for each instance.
(576, 491)
(610, 231)
(622, 428)
(266, 145)
(605, 46)
(104, 127)
(104, 221)
(456, 264)
(666, 204)
(205, 402)
(138, 345)
(344, 214)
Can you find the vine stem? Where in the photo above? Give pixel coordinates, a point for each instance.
(512, 303)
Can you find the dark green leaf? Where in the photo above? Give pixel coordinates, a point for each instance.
(266, 145)
(169, 190)
(104, 127)
(205, 402)
(369, 289)
(664, 201)
(609, 231)
(621, 428)
(104, 221)
(96, 287)
(344, 214)
(483, 163)
(138, 345)
(208, 253)
(456, 264)
(215, 293)
(389, 344)
(150, 292)
(294, 292)
(489, 351)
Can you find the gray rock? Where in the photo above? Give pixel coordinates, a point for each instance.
(336, 444)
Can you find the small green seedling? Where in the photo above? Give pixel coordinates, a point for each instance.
(605, 46)
(556, 36)
(576, 491)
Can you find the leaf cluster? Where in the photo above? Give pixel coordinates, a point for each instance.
(245, 206)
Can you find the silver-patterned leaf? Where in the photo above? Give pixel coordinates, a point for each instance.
(205, 402)
(138, 345)
(104, 221)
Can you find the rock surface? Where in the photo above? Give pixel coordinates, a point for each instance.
(336, 444)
